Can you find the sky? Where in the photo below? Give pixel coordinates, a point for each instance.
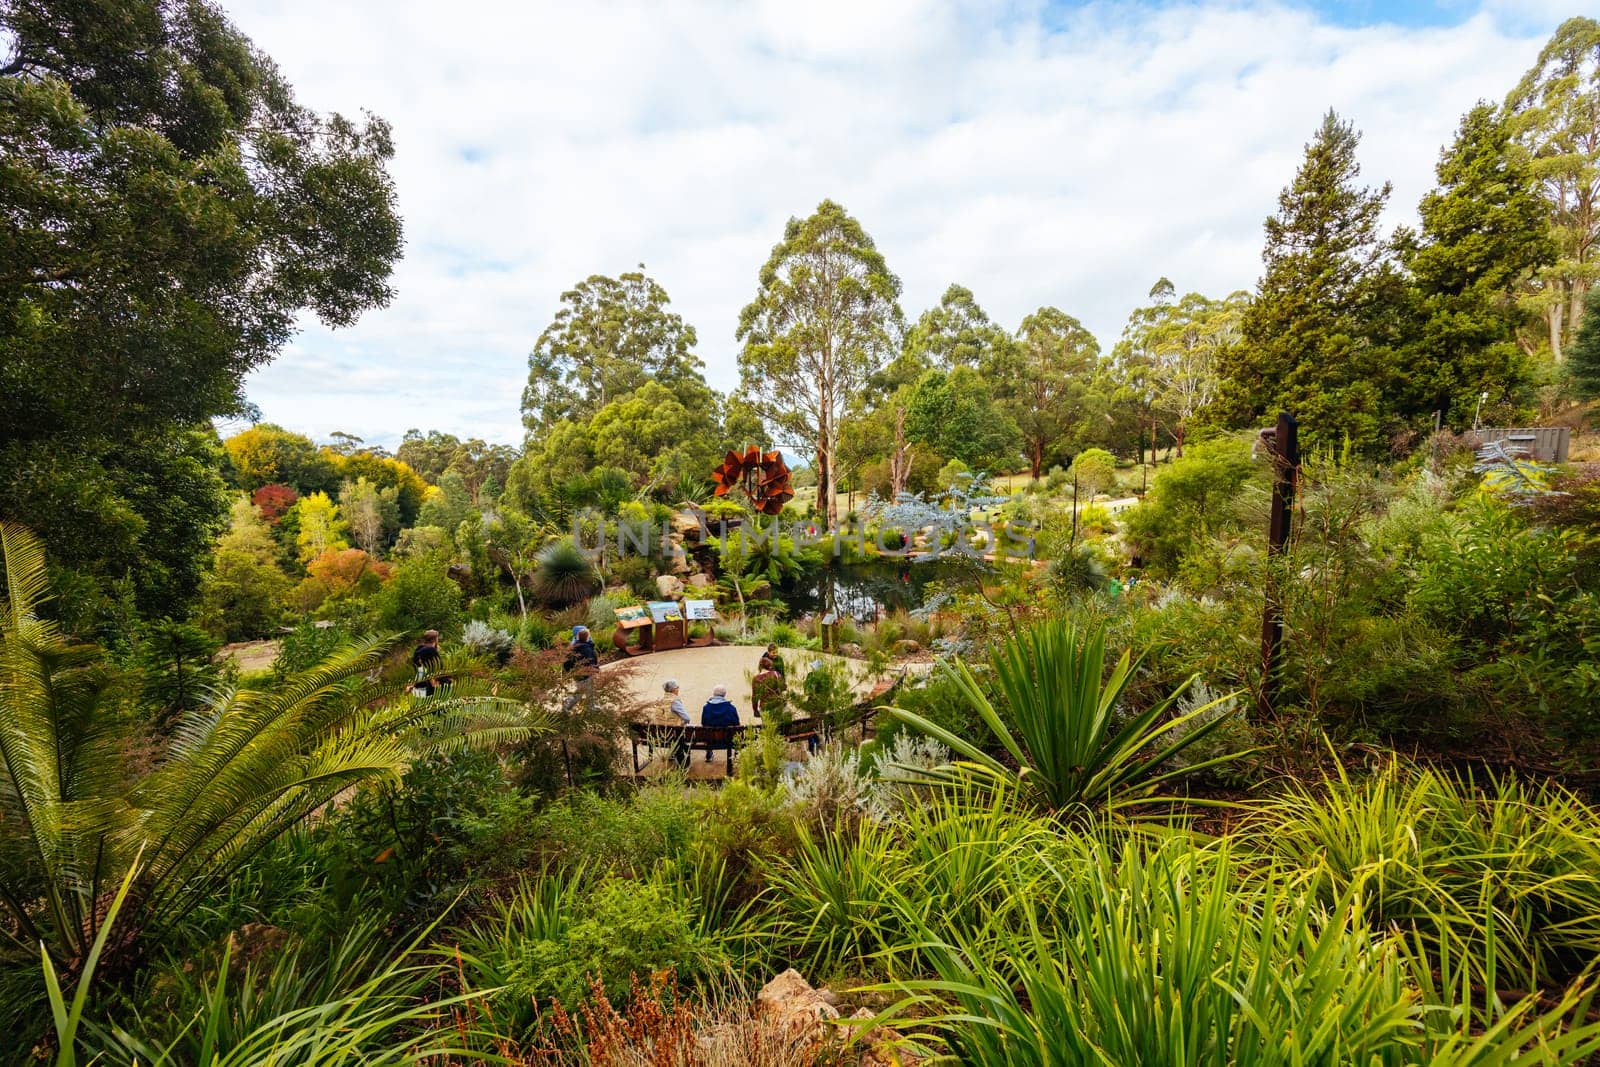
(1038, 154)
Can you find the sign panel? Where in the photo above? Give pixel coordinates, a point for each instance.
(665, 611)
(632, 616)
(700, 610)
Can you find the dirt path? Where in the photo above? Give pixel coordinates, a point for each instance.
(697, 670)
(250, 656)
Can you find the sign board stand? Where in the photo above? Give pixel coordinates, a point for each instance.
(667, 629)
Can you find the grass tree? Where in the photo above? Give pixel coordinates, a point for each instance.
(76, 806)
(564, 575)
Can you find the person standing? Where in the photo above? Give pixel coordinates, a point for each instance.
(583, 662)
(766, 688)
(426, 659)
(774, 660)
(582, 655)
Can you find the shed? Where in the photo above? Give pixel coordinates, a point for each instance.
(1545, 444)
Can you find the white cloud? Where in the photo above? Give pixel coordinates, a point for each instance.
(1034, 155)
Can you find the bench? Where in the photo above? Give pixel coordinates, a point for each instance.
(707, 739)
(808, 730)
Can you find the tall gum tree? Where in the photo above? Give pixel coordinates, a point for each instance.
(1042, 379)
(1555, 118)
(609, 337)
(824, 319)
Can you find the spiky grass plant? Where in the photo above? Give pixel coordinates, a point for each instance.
(563, 575)
(1503, 881)
(1067, 750)
(236, 773)
(1135, 949)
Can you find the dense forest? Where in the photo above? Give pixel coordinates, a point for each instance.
(1028, 791)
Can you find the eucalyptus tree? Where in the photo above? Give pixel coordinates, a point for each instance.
(1184, 344)
(825, 317)
(957, 332)
(1042, 380)
(609, 337)
(1555, 117)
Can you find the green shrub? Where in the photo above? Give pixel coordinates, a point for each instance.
(1189, 499)
(305, 646)
(420, 595)
(620, 929)
(628, 834)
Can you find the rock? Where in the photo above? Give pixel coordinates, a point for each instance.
(670, 586)
(906, 647)
(699, 580)
(852, 650)
(685, 524)
(255, 940)
(790, 999)
(880, 1042)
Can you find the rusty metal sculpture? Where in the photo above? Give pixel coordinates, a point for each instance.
(763, 476)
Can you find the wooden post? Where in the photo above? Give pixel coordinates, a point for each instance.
(1285, 473)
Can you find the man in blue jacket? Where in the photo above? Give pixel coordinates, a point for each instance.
(719, 710)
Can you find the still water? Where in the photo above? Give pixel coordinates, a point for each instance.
(858, 591)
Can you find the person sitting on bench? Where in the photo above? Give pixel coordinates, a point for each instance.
(719, 711)
(680, 747)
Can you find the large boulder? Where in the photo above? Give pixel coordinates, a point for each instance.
(792, 1001)
(670, 586)
(677, 556)
(685, 524)
(699, 580)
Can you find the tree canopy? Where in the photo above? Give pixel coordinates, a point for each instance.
(1313, 338)
(171, 209)
(610, 337)
(824, 319)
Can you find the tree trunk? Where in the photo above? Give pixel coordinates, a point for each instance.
(1553, 316)
(899, 458)
(1178, 436)
(824, 476)
(1038, 458)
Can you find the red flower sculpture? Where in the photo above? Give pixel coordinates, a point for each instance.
(763, 476)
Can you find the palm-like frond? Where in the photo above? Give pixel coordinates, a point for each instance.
(237, 772)
(57, 759)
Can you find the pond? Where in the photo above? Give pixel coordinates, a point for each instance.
(857, 591)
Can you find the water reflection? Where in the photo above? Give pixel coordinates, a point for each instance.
(859, 591)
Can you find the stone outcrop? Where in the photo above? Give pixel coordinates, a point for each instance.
(797, 1006)
(670, 586)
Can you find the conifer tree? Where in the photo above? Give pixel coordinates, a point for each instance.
(1484, 231)
(1314, 339)
(1583, 361)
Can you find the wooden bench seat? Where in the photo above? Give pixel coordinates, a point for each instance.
(672, 737)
